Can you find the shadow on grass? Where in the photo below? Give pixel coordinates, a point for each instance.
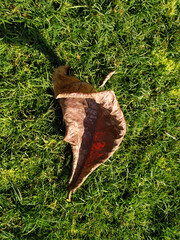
(59, 128)
(21, 33)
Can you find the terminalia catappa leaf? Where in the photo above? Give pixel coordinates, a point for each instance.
(95, 125)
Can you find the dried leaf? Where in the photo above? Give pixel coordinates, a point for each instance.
(25, 15)
(95, 125)
(78, 57)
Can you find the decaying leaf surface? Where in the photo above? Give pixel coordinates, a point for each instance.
(95, 125)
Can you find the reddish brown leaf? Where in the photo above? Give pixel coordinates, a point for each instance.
(95, 125)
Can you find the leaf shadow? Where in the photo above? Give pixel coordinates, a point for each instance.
(23, 33)
(59, 128)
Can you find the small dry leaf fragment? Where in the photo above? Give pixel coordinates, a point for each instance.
(95, 125)
(25, 15)
(78, 57)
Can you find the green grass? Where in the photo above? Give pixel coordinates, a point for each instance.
(135, 194)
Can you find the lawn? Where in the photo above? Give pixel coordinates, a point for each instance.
(135, 194)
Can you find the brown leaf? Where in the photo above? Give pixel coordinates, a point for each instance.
(95, 125)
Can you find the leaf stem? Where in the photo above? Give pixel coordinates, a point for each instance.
(69, 196)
